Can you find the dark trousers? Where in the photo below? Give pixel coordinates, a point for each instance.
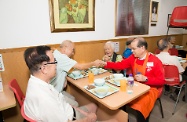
(1, 117)
(139, 115)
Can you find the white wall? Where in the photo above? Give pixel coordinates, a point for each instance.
(26, 23)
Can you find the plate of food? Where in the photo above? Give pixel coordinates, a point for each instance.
(77, 74)
(115, 79)
(101, 91)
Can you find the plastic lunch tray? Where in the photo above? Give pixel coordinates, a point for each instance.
(83, 76)
(111, 80)
(112, 89)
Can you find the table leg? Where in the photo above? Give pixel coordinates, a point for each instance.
(1, 117)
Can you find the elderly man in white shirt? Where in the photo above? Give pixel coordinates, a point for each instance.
(166, 58)
(42, 101)
(65, 64)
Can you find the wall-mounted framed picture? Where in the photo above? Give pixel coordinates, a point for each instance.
(132, 17)
(154, 11)
(72, 15)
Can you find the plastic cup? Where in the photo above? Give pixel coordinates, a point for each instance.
(123, 85)
(90, 77)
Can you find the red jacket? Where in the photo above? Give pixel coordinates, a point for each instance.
(154, 69)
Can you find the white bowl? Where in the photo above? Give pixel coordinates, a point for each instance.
(95, 71)
(99, 82)
(118, 75)
(76, 73)
(101, 91)
(117, 80)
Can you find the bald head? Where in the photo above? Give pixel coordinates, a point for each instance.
(141, 42)
(67, 47)
(163, 44)
(66, 43)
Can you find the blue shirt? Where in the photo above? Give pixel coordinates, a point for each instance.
(127, 53)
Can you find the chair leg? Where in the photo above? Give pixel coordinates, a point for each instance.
(177, 99)
(161, 109)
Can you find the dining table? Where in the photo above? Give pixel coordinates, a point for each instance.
(113, 101)
(7, 98)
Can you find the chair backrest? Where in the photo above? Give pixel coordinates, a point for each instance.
(157, 51)
(171, 73)
(179, 17)
(25, 116)
(173, 51)
(17, 91)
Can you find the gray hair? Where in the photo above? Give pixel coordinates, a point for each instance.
(110, 43)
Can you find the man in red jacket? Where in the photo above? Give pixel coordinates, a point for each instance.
(148, 70)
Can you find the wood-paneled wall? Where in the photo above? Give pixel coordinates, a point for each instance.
(15, 66)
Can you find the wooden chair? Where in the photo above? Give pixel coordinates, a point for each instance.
(172, 79)
(17, 91)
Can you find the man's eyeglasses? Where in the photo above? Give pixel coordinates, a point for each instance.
(55, 62)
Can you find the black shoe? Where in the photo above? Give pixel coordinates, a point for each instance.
(183, 98)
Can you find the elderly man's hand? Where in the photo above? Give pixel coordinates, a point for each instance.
(99, 63)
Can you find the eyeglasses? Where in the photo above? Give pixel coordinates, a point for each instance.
(55, 62)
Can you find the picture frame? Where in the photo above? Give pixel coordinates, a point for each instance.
(154, 11)
(132, 17)
(72, 15)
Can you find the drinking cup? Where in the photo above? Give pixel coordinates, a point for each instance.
(123, 84)
(90, 77)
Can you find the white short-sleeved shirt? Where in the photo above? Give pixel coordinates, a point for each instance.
(63, 66)
(44, 103)
(166, 58)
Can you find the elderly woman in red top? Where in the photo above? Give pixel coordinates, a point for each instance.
(148, 70)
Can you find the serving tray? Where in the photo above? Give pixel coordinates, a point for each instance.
(111, 80)
(84, 73)
(111, 89)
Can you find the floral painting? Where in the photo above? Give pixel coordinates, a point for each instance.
(72, 15)
(73, 11)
